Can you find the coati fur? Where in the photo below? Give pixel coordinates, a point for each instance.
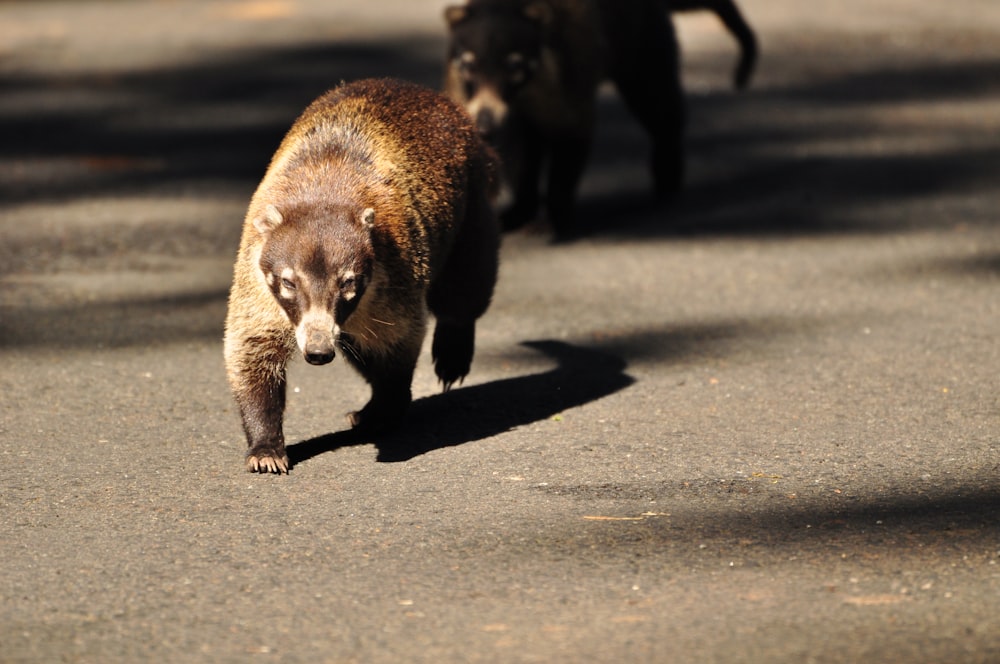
(528, 71)
(375, 209)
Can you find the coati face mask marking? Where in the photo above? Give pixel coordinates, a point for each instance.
(496, 52)
(318, 266)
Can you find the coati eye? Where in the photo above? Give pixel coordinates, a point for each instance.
(519, 67)
(467, 62)
(283, 284)
(352, 281)
(352, 286)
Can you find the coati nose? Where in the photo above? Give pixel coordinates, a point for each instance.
(319, 357)
(318, 348)
(485, 122)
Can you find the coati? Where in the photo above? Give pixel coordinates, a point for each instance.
(527, 71)
(375, 209)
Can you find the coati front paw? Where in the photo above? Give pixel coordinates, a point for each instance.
(267, 460)
(562, 219)
(375, 418)
(668, 173)
(518, 215)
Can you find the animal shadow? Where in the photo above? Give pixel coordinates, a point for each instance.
(480, 411)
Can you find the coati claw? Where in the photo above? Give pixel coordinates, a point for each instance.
(446, 385)
(265, 461)
(452, 351)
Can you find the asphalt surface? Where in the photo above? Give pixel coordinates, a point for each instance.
(760, 425)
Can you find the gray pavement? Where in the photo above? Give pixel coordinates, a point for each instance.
(760, 425)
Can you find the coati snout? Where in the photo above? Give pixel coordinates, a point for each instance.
(318, 266)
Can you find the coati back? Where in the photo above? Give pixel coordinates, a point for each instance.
(375, 209)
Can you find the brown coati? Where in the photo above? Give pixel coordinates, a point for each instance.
(375, 209)
(528, 71)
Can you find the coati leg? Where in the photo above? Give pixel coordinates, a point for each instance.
(463, 290)
(568, 159)
(646, 71)
(523, 167)
(666, 130)
(389, 377)
(256, 368)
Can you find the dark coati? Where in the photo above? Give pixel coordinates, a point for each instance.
(527, 71)
(376, 208)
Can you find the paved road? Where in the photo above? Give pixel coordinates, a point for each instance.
(758, 426)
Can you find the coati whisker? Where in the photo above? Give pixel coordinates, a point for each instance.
(347, 347)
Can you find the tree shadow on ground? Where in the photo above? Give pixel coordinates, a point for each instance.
(749, 520)
(804, 158)
(208, 129)
(197, 127)
(473, 413)
(127, 322)
(215, 121)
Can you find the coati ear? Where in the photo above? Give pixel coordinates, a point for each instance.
(270, 220)
(368, 218)
(455, 14)
(540, 12)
